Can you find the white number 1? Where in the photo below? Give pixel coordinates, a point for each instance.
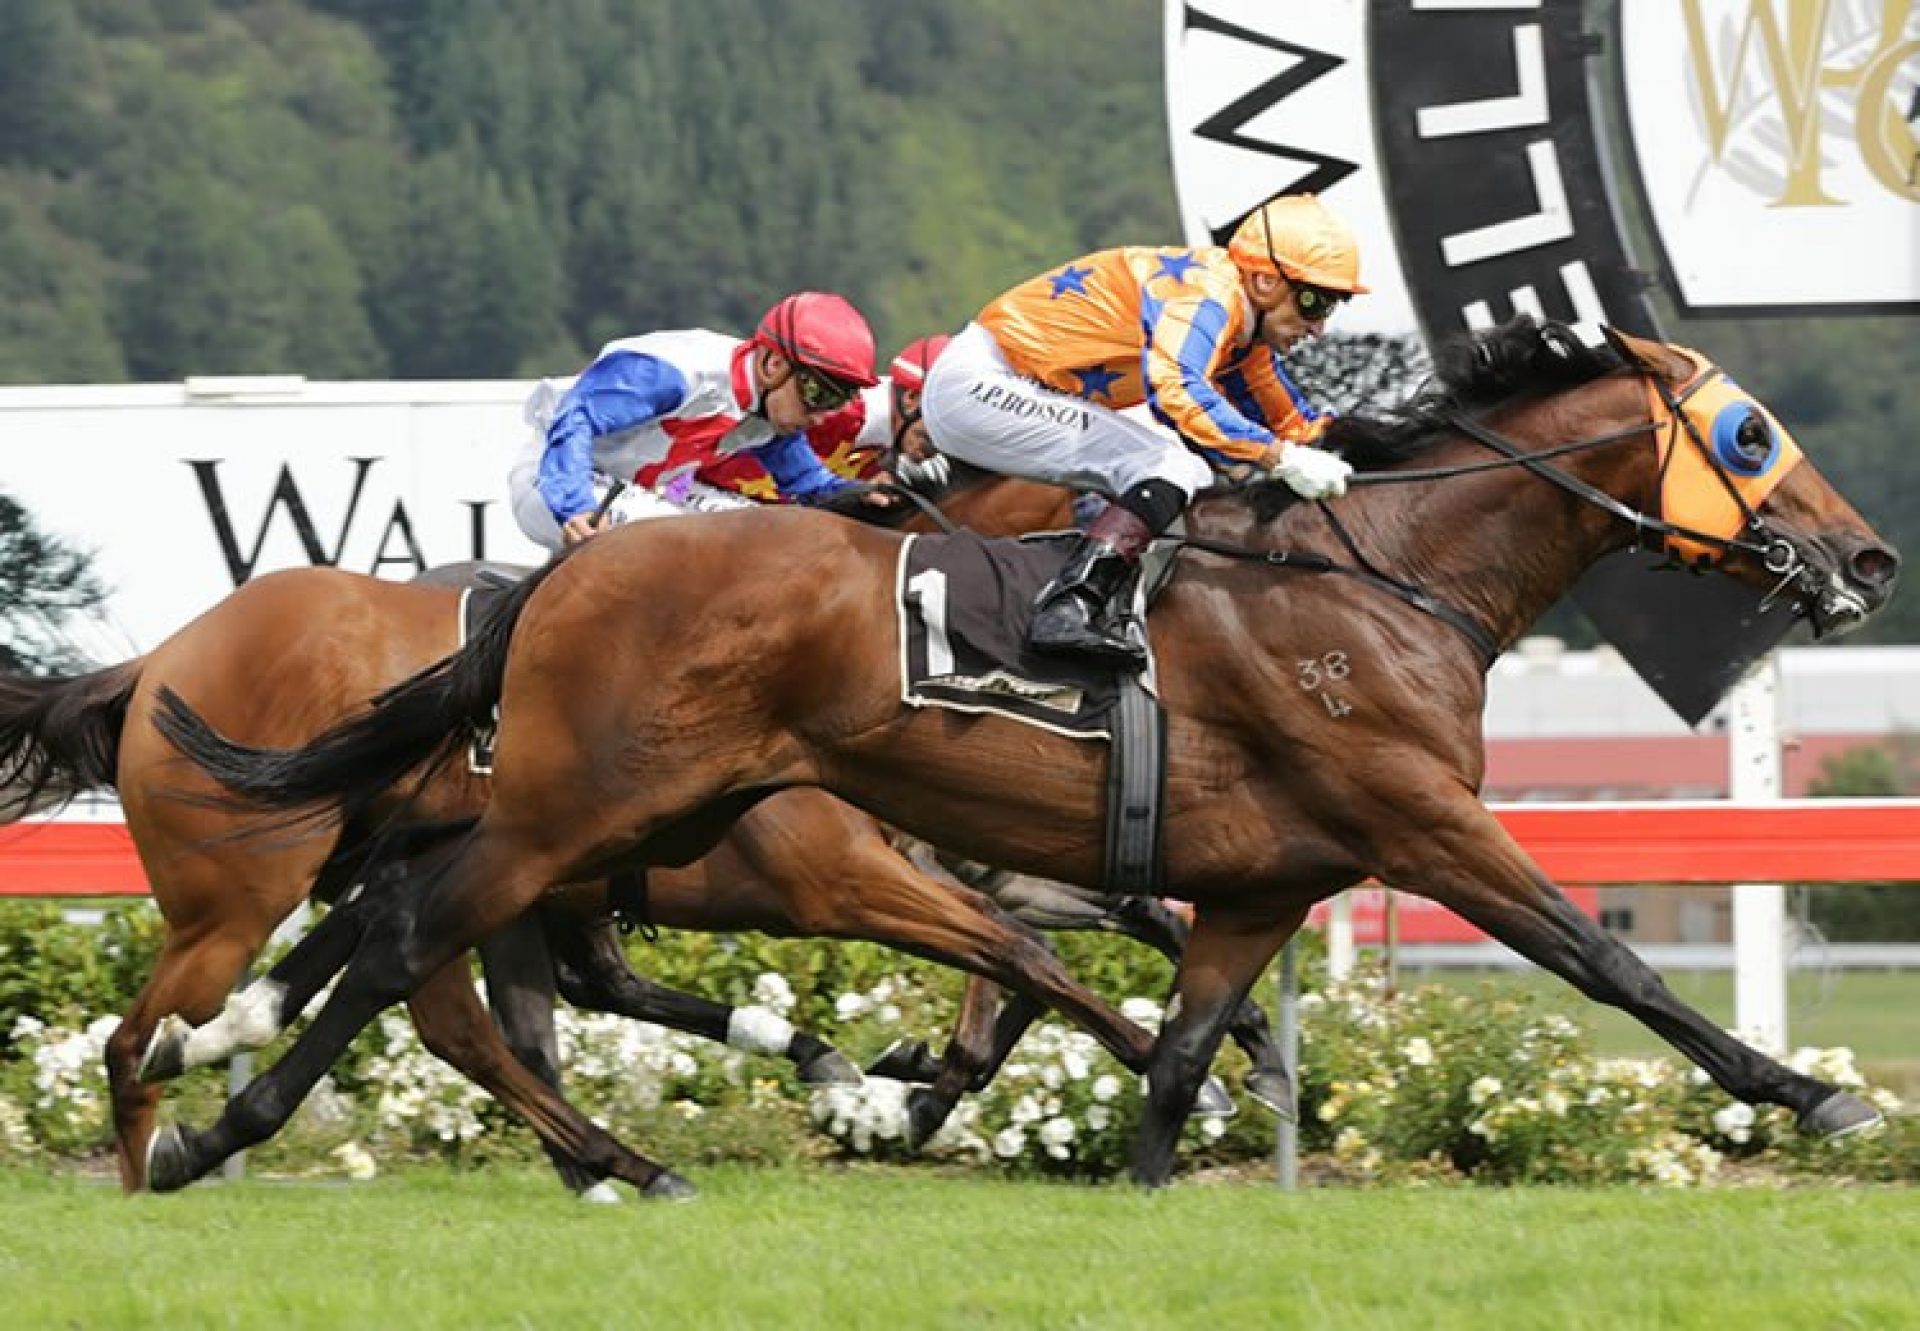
(929, 590)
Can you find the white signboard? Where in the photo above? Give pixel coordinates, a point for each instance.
(182, 492)
(1777, 147)
(1267, 98)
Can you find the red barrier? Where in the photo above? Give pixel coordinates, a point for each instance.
(1668, 841)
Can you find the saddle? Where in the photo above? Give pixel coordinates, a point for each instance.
(963, 603)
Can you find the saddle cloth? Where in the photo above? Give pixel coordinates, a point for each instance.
(964, 603)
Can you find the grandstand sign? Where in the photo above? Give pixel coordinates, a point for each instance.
(181, 492)
(1453, 135)
(1778, 148)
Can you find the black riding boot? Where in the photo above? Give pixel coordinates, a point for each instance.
(1088, 609)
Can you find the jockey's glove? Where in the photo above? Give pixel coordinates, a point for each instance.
(1313, 473)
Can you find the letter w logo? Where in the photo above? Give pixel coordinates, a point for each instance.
(285, 495)
(1792, 70)
(1227, 125)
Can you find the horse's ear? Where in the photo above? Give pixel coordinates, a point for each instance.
(1646, 354)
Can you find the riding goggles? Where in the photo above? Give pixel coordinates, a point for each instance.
(820, 392)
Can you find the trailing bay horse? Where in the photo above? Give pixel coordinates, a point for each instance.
(1322, 666)
(293, 651)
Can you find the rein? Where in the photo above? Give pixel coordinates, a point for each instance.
(1777, 555)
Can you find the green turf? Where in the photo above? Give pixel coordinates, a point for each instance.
(893, 1250)
(1874, 1013)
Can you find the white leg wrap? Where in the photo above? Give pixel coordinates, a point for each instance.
(602, 1193)
(250, 1020)
(757, 1030)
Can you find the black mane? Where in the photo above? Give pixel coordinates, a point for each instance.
(1473, 373)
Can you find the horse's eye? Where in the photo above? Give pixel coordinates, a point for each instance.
(1753, 438)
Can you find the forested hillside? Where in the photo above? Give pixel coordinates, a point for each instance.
(469, 188)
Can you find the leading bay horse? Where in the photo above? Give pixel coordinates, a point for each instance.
(292, 652)
(1322, 667)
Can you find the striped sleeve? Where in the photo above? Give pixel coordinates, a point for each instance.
(1282, 406)
(1188, 337)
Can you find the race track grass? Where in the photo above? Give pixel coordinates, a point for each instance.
(895, 1249)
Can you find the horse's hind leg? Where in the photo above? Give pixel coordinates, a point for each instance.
(1148, 921)
(255, 1017)
(519, 976)
(455, 1028)
(194, 974)
(1483, 875)
(1223, 957)
(409, 942)
(593, 973)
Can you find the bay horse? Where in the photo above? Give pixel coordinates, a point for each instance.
(292, 651)
(1322, 666)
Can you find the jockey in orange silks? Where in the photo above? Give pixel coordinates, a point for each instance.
(1035, 386)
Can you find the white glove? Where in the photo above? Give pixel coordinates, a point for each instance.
(1313, 473)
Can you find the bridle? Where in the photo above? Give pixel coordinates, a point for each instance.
(1776, 553)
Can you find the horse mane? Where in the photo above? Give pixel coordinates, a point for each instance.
(1473, 373)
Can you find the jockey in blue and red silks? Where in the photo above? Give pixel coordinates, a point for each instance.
(696, 393)
(877, 436)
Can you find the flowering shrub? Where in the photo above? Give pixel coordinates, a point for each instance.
(1428, 1085)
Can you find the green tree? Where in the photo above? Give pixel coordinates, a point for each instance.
(44, 583)
(1869, 912)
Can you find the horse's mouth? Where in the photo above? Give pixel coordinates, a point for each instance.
(1834, 608)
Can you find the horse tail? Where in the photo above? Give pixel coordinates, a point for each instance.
(422, 721)
(60, 737)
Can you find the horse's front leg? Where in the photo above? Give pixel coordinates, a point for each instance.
(1224, 956)
(1465, 860)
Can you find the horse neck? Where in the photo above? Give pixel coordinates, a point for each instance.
(1501, 545)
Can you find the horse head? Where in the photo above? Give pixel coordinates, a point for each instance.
(1732, 473)
(1538, 448)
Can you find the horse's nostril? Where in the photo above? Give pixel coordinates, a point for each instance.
(1874, 566)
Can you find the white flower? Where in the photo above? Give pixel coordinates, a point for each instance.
(1025, 1110)
(848, 1006)
(1009, 1142)
(355, 1161)
(771, 990)
(1484, 1089)
(1213, 1128)
(1418, 1052)
(1075, 1064)
(1554, 1101)
(1098, 1117)
(1735, 1122)
(1105, 1087)
(1142, 1011)
(1056, 1132)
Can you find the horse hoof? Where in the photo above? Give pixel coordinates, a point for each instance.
(926, 1112)
(668, 1186)
(1275, 1091)
(166, 1055)
(169, 1163)
(905, 1060)
(1841, 1114)
(832, 1068)
(1213, 1100)
(602, 1193)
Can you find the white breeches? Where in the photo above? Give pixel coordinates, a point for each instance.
(979, 409)
(635, 504)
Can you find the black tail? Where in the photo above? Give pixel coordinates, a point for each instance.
(422, 720)
(60, 737)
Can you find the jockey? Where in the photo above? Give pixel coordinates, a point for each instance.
(1035, 385)
(877, 436)
(697, 392)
